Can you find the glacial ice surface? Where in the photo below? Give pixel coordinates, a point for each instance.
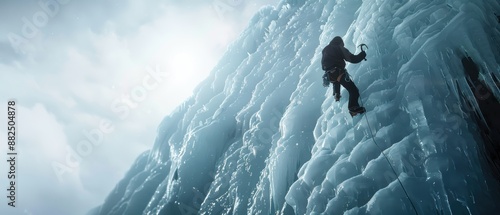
(261, 135)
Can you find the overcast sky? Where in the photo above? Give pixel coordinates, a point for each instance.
(92, 80)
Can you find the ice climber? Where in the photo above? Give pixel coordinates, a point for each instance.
(333, 63)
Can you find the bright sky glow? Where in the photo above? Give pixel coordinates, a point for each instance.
(76, 67)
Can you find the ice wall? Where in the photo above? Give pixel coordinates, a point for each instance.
(262, 136)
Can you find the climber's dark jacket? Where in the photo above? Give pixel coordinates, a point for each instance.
(335, 55)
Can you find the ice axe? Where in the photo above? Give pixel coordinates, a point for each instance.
(361, 46)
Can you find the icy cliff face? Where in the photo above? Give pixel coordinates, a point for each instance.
(262, 135)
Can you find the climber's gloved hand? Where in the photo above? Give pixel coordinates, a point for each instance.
(362, 54)
(326, 82)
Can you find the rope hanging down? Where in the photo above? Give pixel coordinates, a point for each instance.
(386, 158)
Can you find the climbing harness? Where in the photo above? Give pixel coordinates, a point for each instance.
(385, 156)
(347, 77)
(331, 74)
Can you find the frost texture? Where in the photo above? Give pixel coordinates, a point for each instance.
(262, 136)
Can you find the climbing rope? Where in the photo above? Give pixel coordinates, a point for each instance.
(385, 156)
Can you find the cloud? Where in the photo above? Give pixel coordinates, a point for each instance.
(40, 142)
(7, 55)
(92, 62)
